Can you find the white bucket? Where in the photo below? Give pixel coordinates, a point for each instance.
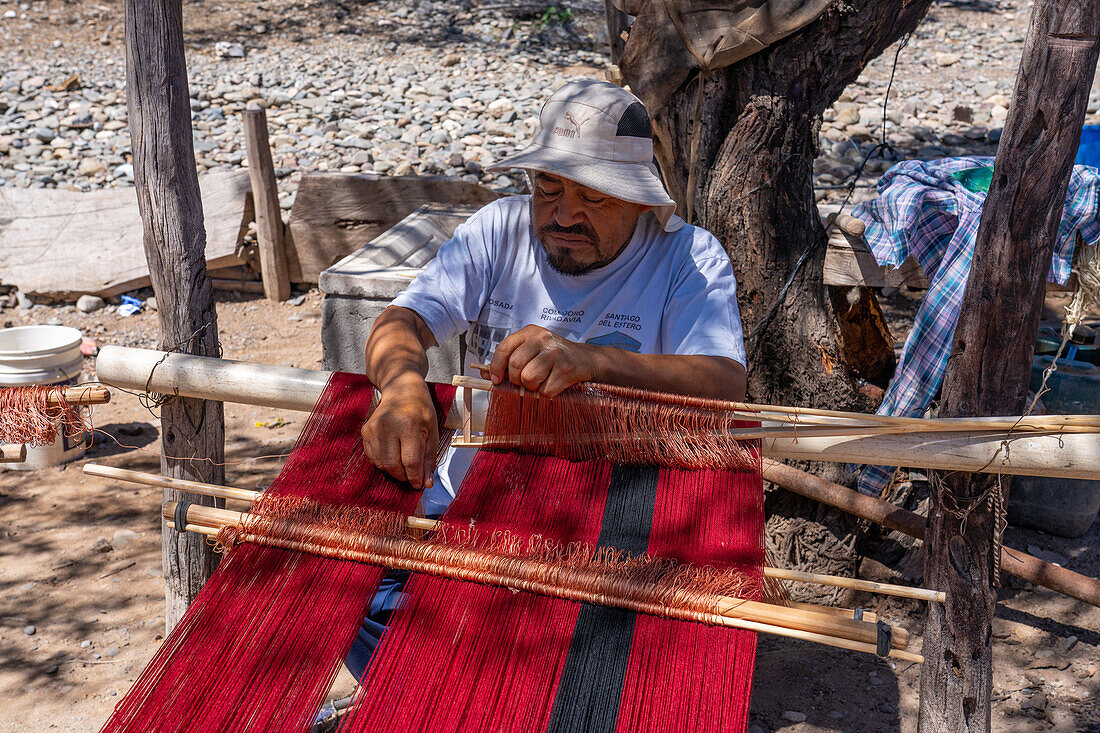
(43, 355)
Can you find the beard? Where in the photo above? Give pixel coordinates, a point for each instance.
(564, 261)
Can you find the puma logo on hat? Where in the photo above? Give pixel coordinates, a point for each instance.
(598, 135)
(571, 133)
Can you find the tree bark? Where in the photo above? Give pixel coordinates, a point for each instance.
(991, 353)
(617, 22)
(192, 431)
(757, 140)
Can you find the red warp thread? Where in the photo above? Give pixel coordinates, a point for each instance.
(685, 676)
(259, 647)
(622, 425)
(464, 657)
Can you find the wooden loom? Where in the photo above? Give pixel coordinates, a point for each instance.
(1058, 455)
(983, 445)
(805, 622)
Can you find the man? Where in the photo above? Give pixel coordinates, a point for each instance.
(590, 278)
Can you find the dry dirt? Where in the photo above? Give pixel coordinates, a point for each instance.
(80, 561)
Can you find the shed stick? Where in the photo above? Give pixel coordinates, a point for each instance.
(415, 556)
(229, 492)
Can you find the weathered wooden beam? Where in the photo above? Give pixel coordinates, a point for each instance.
(174, 239)
(991, 353)
(270, 231)
(335, 214)
(883, 513)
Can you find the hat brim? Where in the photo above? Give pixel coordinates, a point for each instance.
(637, 183)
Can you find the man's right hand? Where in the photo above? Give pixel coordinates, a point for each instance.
(401, 436)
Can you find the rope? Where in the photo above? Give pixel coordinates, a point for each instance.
(1087, 269)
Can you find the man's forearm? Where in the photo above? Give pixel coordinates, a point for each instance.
(700, 376)
(397, 347)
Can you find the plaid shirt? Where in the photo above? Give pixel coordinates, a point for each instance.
(922, 211)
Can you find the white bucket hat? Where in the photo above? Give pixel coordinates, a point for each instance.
(598, 135)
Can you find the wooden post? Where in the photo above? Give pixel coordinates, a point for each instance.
(991, 352)
(617, 22)
(192, 430)
(265, 197)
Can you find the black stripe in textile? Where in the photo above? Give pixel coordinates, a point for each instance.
(591, 686)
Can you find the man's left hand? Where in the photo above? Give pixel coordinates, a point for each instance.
(541, 361)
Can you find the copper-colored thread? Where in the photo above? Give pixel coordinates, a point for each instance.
(526, 575)
(535, 563)
(27, 415)
(621, 425)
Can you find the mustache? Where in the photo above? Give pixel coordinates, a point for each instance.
(582, 230)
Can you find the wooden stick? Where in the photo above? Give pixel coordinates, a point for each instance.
(903, 591)
(228, 492)
(16, 453)
(1059, 456)
(734, 612)
(150, 479)
(868, 616)
(1013, 561)
(204, 377)
(90, 394)
(858, 420)
(265, 198)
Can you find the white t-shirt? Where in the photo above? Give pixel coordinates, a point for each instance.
(666, 293)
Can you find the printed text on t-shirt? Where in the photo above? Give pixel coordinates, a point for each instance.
(621, 320)
(557, 316)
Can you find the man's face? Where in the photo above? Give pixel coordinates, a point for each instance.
(580, 228)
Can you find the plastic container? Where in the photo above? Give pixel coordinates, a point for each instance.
(43, 355)
(1065, 507)
(1088, 152)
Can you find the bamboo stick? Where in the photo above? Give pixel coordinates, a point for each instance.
(16, 453)
(229, 492)
(732, 612)
(1063, 455)
(903, 591)
(150, 479)
(859, 420)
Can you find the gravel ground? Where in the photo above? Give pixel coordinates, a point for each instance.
(435, 88)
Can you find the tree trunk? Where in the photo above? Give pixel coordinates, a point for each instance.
(617, 22)
(757, 141)
(991, 352)
(192, 431)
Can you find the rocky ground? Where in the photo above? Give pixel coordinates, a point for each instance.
(438, 88)
(432, 88)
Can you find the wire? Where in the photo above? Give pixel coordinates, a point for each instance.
(882, 146)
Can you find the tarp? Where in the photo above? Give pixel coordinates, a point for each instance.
(671, 37)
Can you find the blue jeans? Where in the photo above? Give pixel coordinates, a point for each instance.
(389, 595)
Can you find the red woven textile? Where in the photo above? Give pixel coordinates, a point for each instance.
(462, 656)
(465, 657)
(687, 676)
(259, 647)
